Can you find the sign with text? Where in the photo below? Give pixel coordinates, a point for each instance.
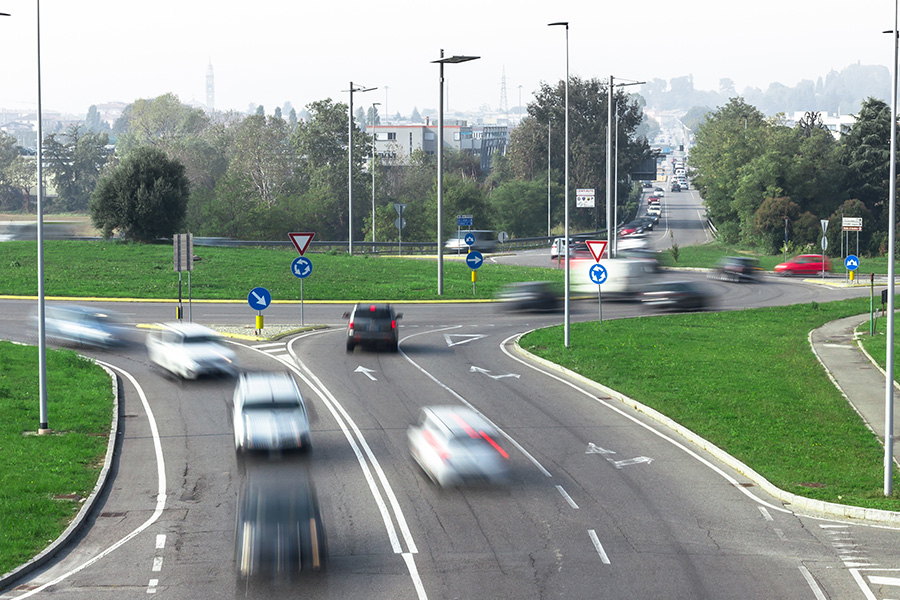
(184, 252)
(851, 223)
(584, 198)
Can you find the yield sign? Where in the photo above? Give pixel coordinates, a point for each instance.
(597, 248)
(301, 241)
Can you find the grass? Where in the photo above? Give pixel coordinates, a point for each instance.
(121, 270)
(748, 382)
(43, 478)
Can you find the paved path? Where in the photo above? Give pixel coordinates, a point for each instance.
(861, 381)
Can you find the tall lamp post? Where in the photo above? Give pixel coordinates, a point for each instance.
(440, 164)
(350, 164)
(374, 104)
(889, 357)
(610, 229)
(566, 193)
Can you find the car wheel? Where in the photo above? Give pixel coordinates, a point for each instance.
(350, 346)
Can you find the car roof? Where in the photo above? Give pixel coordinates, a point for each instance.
(459, 420)
(190, 329)
(268, 387)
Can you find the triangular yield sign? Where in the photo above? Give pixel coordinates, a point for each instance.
(301, 241)
(597, 248)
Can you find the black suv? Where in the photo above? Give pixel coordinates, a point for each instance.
(738, 268)
(372, 324)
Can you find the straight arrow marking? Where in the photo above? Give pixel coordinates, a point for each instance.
(475, 369)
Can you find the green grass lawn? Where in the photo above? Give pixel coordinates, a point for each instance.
(44, 478)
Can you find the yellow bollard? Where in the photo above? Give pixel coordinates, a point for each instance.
(852, 274)
(474, 276)
(179, 313)
(259, 322)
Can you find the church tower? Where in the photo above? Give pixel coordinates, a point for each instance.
(210, 89)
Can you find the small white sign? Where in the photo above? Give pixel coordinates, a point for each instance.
(584, 198)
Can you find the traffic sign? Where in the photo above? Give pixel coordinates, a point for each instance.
(597, 247)
(301, 267)
(301, 241)
(464, 220)
(598, 273)
(399, 222)
(502, 237)
(259, 298)
(824, 244)
(824, 223)
(399, 208)
(584, 198)
(469, 238)
(851, 223)
(474, 259)
(851, 262)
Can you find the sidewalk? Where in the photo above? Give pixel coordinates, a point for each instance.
(860, 380)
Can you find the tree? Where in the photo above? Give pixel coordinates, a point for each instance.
(415, 117)
(74, 161)
(261, 151)
(769, 221)
(144, 197)
(867, 157)
(520, 207)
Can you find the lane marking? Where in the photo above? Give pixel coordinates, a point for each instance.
(811, 582)
(596, 541)
(765, 513)
(157, 563)
(160, 541)
(565, 495)
(469, 337)
(410, 561)
(151, 587)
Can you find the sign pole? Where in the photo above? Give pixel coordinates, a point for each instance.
(301, 303)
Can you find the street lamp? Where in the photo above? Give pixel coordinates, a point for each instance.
(610, 237)
(889, 357)
(350, 164)
(374, 104)
(566, 196)
(440, 164)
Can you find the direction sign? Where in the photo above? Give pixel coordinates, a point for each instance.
(597, 273)
(464, 220)
(584, 198)
(851, 262)
(259, 298)
(301, 241)
(851, 223)
(597, 247)
(301, 267)
(474, 259)
(469, 239)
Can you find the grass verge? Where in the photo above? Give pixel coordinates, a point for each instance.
(748, 382)
(44, 478)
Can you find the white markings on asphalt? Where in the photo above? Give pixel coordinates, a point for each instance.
(468, 337)
(366, 372)
(593, 449)
(475, 369)
(160, 494)
(603, 557)
(810, 580)
(160, 541)
(876, 580)
(565, 495)
(410, 561)
(780, 534)
(157, 563)
(765, 513)
(845, 545)
(151, 587)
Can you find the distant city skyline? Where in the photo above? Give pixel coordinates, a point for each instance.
(275, 52)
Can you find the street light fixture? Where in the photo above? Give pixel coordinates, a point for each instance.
(440, 164)
(566, 196)
(350, 164)
(374, 104)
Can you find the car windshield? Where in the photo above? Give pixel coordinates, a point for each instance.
(281, 405)
(201, 339)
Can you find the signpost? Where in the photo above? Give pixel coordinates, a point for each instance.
(463, 221)
(824, 223)
(259, 299)
(301, 267)
(851, 224)
(598, 273)
(474, 260)
(184, 261)
(400, 223)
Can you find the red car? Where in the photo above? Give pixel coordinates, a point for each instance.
(804, 264)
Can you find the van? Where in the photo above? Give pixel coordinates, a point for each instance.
(485, 241)
(627, 278)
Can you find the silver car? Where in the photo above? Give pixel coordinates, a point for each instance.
(190, 350)
(85, 325)
(455, 445)
(269, 413)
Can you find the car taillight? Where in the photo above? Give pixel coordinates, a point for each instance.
(496, 446)
(393, 324)
(351, 323)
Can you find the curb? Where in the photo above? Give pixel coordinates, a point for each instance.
(86, 509)
(829, 509)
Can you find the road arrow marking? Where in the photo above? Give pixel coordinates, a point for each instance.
(475, 369)
(469, 337)
(632, 461)
(260, 299)
(366, 372)
(592, 449)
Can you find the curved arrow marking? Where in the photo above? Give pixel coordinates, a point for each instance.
(475, 369)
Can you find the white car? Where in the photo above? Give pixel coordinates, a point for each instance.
(269, 413)
(189, 350)
(455, 445)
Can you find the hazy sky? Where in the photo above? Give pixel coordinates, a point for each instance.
(268, 52)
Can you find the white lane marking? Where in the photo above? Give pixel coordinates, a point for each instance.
(895, 581)
(160, 541)
(812, 583)
(157, 563)
(366, 372)
(565, 495)
(780, 534)
(487, 372)
(469, 337)
(151, 587)
(765, 513)
(410, 561)
(160, 491)
(862, 584)
(603, 557)
(632, 461)
(468, 404)
(270, 345)
(593, 449)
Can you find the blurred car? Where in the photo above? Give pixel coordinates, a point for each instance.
(190, 350)
(677, 295)
(529, 296)
(654, 209)
(86, 325)
(804, 264)
(455, 445)
(485, 241)
(372, 325)
(658, 189)
(269, 413)
(737, 268)
(676, 187)
(279, 530)
(653, 200)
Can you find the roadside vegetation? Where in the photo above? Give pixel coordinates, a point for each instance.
(45, 478)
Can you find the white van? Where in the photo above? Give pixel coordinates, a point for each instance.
(627, 278)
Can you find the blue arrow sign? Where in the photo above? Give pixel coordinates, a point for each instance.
(259, 298)
(470, 238)
(301, 267)
(597, 273)
(851, 262)
(474, 259)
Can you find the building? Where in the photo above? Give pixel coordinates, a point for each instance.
(397, 143)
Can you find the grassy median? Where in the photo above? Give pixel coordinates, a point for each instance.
(45, 478)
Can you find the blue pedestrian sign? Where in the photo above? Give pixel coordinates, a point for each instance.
(470, 239)
(851, 262)
(597, 273)
(474, 259)
(259, 298)
(301, 267)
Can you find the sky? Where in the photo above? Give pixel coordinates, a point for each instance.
(269, 52)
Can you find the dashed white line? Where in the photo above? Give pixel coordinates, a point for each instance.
(603, 557)
(765, 513)
(568, 498)
(160, 541)
(151, 587)
(157, 564)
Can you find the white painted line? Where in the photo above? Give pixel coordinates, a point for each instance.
(160, 494)
(765, 513)
(780, 534)
(603, 557)
(151, 587)
(160, 541)
(867, 592)
(414, 575)
(157, 563)
(833, 526)
(884, 580)
(568, 498)
(812, 583)
(270, 345)
(469, 337)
